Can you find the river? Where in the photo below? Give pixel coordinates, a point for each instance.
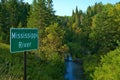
(73, 70)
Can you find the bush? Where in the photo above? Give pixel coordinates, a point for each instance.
(89, 64)
(109, 68)
(49, 70)
(11, 66)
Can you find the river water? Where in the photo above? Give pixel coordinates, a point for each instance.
(73, 70)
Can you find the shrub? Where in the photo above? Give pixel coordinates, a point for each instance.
(11, 66)
(89, 64)
(109, 68)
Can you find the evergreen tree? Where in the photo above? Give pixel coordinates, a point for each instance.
(41, 16)
(72, 17)
(105, 26)
(77, 23)
(4, 22)
(89, 12)
(13, 7)
(51, 12)
(12, 13)
(23, 13)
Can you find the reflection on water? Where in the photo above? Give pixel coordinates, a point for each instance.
(73, 70)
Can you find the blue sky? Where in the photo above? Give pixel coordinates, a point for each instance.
(65, 7)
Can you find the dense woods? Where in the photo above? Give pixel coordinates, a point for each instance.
(92, 36)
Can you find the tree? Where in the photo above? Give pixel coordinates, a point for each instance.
(98, 8)
(13, 7)
(77, 24)
(106, 30)
(23, 13)
(51, 12)
(41, 15)
(108, 69)
(89, 12)
(12, 13)
(53, 41)
(4, 22)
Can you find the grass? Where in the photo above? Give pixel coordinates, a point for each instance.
(10, 64)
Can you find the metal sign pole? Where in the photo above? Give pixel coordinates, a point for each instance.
(25, 76)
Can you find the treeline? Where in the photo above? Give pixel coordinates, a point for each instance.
(94, 31)
(13, 13)
(92, 34)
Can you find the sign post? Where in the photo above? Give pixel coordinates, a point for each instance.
(25, 76)
(22, 40)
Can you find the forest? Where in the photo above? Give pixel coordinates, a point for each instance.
(92, 36)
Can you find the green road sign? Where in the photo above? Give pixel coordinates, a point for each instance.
(23, 39)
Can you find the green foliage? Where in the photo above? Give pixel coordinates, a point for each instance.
(109, 68)
(42, 17)
(12, 13)
(11, 66)
(105, 30)
(53, 41)
(41, 14)
(38, 15)
(89, 64)
(51, 66)
(45, 70)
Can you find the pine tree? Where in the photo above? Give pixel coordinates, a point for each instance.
(51, 12)
(23, 13)
(41, 16)
(98, 8)
(89, 12)
(4, 21)
(13, 7)
(77, 22)
(12, 13)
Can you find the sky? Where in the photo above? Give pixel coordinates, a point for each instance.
(65, 7)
